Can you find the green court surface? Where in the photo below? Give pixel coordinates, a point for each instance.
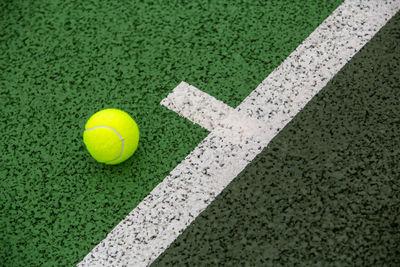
(326, 191)
(62, 61)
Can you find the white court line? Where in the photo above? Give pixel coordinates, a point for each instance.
(159, 219)
(213, 115)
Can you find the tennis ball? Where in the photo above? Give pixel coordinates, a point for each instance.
(111, 136)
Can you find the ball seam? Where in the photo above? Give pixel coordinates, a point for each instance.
(119, 135)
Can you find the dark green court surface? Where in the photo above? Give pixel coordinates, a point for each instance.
(326, 192)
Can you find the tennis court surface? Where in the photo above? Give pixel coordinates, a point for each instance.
(270, 133)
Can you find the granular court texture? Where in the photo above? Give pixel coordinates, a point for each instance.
(326, 191)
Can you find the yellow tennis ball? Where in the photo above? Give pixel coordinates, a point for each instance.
(111, 136)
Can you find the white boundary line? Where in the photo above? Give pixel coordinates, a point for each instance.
(160, 218)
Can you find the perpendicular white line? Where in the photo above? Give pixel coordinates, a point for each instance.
(197, 106)
(159, 219)
(213, 115)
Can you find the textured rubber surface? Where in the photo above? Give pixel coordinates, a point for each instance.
(62, 61)
(326, 191)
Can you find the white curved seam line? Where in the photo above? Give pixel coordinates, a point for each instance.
(119, 135)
